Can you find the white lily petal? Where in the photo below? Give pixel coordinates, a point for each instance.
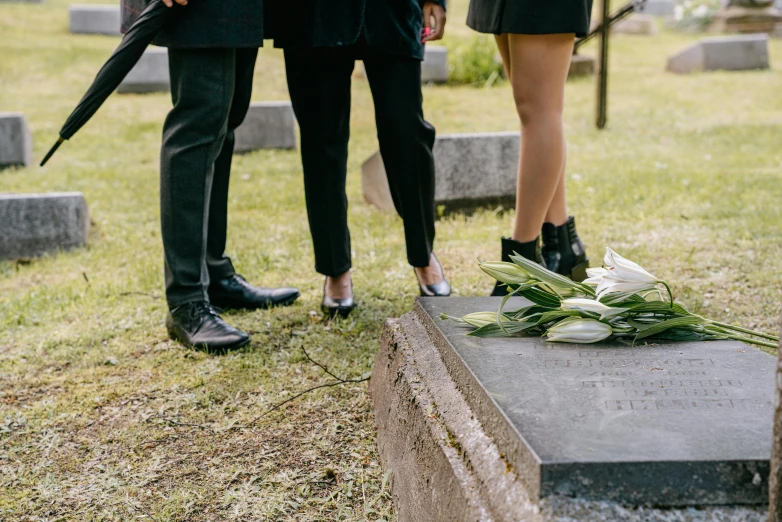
(625, 269)
(579, 330)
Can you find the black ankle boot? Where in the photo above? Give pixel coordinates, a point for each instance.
(529, 250)
(563, 250)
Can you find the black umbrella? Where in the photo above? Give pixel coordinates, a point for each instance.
(122, 60)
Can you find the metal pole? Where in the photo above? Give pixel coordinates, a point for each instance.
(775, 479)
(602, 84)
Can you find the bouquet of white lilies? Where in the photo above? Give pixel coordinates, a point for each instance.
(621, 300)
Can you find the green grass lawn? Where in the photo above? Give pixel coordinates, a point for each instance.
(103, 418)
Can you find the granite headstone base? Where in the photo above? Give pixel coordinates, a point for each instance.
(723, 53)
(737, 19)
(95, 19)
(581, 65)
(268, 125)
(150, 74)
(16, 142)
(35, 224)
(471, 170)
(526, 431)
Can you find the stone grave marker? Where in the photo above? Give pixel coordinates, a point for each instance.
(36, 224)
(729, 53)
(581, 65)
(747, 16)
(16, 142)
(150, 74)
(517, 429)
(470, 170)
(95, 19)
(268, 125)
(637, 24)
(659, 7)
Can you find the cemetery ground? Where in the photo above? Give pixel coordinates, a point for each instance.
(103, 418)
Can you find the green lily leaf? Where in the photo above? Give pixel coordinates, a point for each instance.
(547, 276)
(665, 325)
(658, 307)
(539, 297)
(494, 330)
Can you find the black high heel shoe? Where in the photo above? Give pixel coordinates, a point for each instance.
(440, 289)
(563, 250)
(342, 307)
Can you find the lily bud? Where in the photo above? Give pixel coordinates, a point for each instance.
(479, 319)
(508, 273)
(579, 330)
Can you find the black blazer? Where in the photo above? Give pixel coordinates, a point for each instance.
(389, 26)
(207, 23)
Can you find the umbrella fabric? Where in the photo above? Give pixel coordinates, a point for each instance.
(122, 60)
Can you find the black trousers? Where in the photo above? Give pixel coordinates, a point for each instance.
(211, 91)
(319, 85)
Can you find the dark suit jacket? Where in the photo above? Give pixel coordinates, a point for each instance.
(389, 26)
(207, 23)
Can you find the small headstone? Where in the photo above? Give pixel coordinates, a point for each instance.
(36, 224)
(434, 68)
(150, 74)
(470, 170)
(21, 1)
(729, 53)
(16, 142)
(581, 65)
(639, 24)
(659, 7)
(510, 429)
(747, 16)
(268, 125)
(95, 19)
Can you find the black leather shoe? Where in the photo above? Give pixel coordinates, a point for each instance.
(236, 292)
(563, 250)
(341, 307)
(439, 289)
(198, 326)
(529, 250)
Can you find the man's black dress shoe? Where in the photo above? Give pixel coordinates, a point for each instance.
(440, 289)
(198, 326)
(341, 307)
(236, 292)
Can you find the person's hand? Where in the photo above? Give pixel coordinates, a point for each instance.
(170, 3)
(432, 13)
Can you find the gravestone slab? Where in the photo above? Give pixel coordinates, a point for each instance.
(150, 74)
(519, 429)
(470, 170)
(581, 65)
(268, 125)
(16, 142)
(747, 19)
(637, 24)
(95, 19)
(729, 53)
(36, 224)
(434, 67)
(659, 7)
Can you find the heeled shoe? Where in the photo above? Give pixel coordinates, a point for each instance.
(333, 307)
(439, 289)
(528, 250)
(563, 250)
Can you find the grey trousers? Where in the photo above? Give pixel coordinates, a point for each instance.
(211, 90)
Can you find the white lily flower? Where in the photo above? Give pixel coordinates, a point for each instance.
(478, 319)
(591, 305)
(622, 275)
(579, 330)
(594, 276)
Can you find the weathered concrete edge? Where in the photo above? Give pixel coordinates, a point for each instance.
(446, 468)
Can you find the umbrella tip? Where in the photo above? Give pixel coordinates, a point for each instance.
(52, 151)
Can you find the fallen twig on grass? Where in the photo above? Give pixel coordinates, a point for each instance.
(339, 380)
(147, 294)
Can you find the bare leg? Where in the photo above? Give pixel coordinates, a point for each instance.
(538, 70)
(339, 287)
(557, 211)
(503, 44)
(432, 274)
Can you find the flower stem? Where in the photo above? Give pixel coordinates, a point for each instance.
(727, 326)
(752, 341)
(670, 294)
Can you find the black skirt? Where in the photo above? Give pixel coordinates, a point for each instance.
(530, 16)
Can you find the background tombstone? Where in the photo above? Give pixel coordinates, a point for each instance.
(729, 53)
(268, 125)
(16, 142)
(471, 170)
(637, 24)
(434, 67)
(35, 224)
(747, 16)
(659, 7)
(95, 19)
(581, 65)
(150, 74)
